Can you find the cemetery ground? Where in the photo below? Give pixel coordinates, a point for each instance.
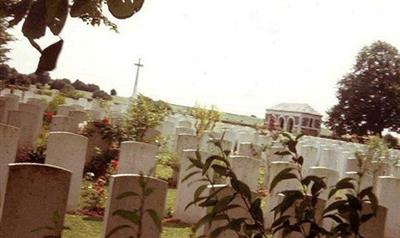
(89, 227)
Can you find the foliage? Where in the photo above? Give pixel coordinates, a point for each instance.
(113, 92)
(219, 207)
(143, 114)
(44, 92)
(58, 84)
(135, 216)
(42, 78)
(205, 118)
(69, 92)
(94, 195)
(391, 141)
(5, 38)
(79, 85)
(55, 102)
(100, 164)
(101, 95)
(372, 160)
(369, 96)
(297, 212)
(56, 228)
(168, 160)
(39, 15)
(345, 212)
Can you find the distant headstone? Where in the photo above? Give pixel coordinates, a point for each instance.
(137, 157)
(27, 123)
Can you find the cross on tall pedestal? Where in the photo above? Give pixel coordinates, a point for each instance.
(138, 65)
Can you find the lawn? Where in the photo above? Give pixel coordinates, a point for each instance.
(85, 227)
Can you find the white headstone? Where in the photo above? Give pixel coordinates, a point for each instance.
(68, 150)
(136, 157)
(36, 195)
(155, 200)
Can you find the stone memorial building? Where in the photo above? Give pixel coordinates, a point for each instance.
(294, 117)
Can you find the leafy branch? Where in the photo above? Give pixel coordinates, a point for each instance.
(136, 215)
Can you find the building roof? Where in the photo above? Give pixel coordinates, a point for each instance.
(295, 107)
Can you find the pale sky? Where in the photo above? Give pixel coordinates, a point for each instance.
(242, 56)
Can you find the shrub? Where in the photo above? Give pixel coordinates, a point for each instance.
(57, 84)
(79, 85)
(101, 95)
(143, 114)
(92, 87)
(205, 118)
(113, 92)
(94, 195)
(69, 92)
(55, 102)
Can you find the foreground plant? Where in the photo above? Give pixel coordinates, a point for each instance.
(219, 206)
(135, 216)
(56, 228)
(299, 210)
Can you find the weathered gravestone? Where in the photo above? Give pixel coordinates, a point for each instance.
(61, 123)
(38, 111)
(8, 103)
(127, 194)
(375, 227)
(246, 170)
(319, 208)
(68, 150)
(249, 149)
(288, 184)
(27, 123)
(36, 196)
(186, 189)
(77, 117)
(63, 110)
(310, 155)
(137, 157)
(235, 213)
(8, 149)
(331, 177)
(387, 191)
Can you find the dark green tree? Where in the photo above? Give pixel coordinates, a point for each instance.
(5, 37)
(369, 96)
(113, 92)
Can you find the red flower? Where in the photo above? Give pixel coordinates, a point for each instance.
(105, 121)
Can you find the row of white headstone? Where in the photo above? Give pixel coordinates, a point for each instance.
(32, 193)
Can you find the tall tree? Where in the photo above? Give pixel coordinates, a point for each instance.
(369, 96)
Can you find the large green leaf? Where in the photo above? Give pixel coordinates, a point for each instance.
(131, 216)
(34, 26)
(116, 229)
(155, 217)
(127, 194)
(283, 175)
(48, 60)
(124, 8)
(57, 11)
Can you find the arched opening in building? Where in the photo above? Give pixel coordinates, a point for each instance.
(290, 125)
(281, 123)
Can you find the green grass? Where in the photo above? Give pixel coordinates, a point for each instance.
(84, 227)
